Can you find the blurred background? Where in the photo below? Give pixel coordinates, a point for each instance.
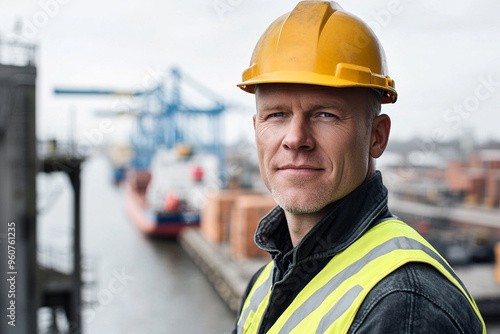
(129, 170)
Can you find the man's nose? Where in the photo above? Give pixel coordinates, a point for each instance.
(299, 135)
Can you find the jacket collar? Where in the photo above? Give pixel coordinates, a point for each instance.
(347, 220)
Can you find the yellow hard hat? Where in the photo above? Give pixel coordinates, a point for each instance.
(319, 43)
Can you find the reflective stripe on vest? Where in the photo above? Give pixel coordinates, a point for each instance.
(330, 301)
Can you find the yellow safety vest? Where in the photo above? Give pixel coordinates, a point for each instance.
(330, 301)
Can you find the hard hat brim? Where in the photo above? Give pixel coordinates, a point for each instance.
(309, 78)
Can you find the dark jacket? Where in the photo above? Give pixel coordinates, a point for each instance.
(415, 298)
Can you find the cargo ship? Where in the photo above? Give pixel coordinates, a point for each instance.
(163, 200)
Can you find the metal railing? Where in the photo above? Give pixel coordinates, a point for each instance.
(60, 261)
(51, 148)
(17, 53)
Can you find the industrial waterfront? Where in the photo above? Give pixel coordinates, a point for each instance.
(140, 284)
(97, 247)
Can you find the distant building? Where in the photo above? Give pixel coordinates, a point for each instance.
(477, 178)
(444, 173)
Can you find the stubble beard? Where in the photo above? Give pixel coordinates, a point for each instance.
(294, 203)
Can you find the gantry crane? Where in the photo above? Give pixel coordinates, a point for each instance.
(167, 117)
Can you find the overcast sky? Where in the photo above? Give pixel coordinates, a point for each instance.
(443, 55)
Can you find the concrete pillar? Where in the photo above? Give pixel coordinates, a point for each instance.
(18, 166)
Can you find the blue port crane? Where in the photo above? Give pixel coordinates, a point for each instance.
(169, 114)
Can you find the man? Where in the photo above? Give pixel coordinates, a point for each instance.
(341, 263)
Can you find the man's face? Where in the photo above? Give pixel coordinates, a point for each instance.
(313, 143)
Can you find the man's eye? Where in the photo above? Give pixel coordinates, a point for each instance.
(326, 114)
(277, 114)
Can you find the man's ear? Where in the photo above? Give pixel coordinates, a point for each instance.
(254, 116)
(381, 127)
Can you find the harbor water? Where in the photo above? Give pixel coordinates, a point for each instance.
(136, 284)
